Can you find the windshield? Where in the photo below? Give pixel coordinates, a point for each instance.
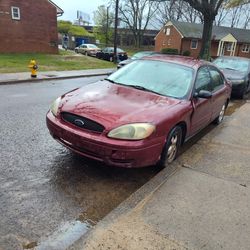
(234, 64)
(163, 78)
(92, 46)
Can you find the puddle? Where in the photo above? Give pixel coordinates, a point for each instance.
(30, 245)
(65, 236)
(51, 75)
(233, 106)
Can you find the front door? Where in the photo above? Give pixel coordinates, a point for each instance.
(202, 113)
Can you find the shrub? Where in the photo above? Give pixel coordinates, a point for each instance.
(186, 53)
(169, 51)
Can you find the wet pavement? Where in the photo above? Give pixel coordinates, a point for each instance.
(45, 189)
(49, 194)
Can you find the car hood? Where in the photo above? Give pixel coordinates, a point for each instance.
(112, 105)
(233, 74)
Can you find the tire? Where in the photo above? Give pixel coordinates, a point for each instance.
(243, 92)
(171, 147)
(220, 117)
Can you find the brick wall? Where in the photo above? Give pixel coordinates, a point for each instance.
(36, 31)
(173, 40)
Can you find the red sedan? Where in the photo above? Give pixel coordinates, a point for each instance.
(142, 113)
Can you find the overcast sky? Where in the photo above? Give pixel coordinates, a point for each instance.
(70, 7)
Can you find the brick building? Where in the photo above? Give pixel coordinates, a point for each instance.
(28, 26)
(187, 37)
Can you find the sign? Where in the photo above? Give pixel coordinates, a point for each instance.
(84, 17)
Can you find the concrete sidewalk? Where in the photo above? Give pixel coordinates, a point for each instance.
(13, 78)
(201, 202)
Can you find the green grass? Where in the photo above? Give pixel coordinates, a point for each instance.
(65, 60)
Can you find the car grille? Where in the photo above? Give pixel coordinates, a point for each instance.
(82, 122)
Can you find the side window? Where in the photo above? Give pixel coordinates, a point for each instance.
(217, 79)
(203, 80)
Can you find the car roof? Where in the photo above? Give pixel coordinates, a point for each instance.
(182, 60)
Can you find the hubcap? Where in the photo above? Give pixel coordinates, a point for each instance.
(222, 112)
(172, 149)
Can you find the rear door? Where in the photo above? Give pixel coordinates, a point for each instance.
(218, 90)
(202, 113)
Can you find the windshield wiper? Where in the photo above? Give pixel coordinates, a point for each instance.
(143, 88)
(107, 79)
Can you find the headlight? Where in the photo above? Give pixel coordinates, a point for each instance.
(54, 106)
(135, 131)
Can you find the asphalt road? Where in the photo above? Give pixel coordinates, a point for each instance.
(46, 189)
(47, 193)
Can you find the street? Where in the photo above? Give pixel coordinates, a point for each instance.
(44, 187)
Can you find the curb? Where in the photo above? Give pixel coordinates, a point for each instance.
(9, 82)
(143, 193)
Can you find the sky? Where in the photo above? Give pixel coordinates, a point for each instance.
(70, 8)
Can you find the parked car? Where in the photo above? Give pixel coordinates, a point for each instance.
(108, 54)
(237, 70)
(142, 113)
(136, 56)
(87, 49)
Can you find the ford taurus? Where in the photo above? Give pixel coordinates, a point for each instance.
(142, 113)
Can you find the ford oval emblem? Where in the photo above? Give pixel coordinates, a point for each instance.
(79, 122)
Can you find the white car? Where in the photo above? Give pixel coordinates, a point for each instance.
(87, 49)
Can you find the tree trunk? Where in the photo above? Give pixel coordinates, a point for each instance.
(206, 37)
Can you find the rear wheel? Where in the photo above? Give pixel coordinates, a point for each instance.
(171, 147)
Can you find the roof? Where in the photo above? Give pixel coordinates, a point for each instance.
(182, 60)
(194, 30)
(59, 11)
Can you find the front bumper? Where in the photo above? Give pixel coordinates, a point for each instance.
(128, 154)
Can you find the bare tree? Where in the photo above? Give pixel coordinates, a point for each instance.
(235, 16)
(221, 16)
(246, 18)
(177, 11)
(136, 14)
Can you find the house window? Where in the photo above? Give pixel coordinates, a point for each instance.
(15, 12)
(245, 48)
(194, 44)
(167, 31)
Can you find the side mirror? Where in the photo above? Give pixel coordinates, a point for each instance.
(203, 94)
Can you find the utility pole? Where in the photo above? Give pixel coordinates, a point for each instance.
(115, 35)
(107, 26)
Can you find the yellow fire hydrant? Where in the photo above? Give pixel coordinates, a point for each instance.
(33, 67)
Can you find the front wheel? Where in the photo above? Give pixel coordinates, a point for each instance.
(171, 147)
(220, 117)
